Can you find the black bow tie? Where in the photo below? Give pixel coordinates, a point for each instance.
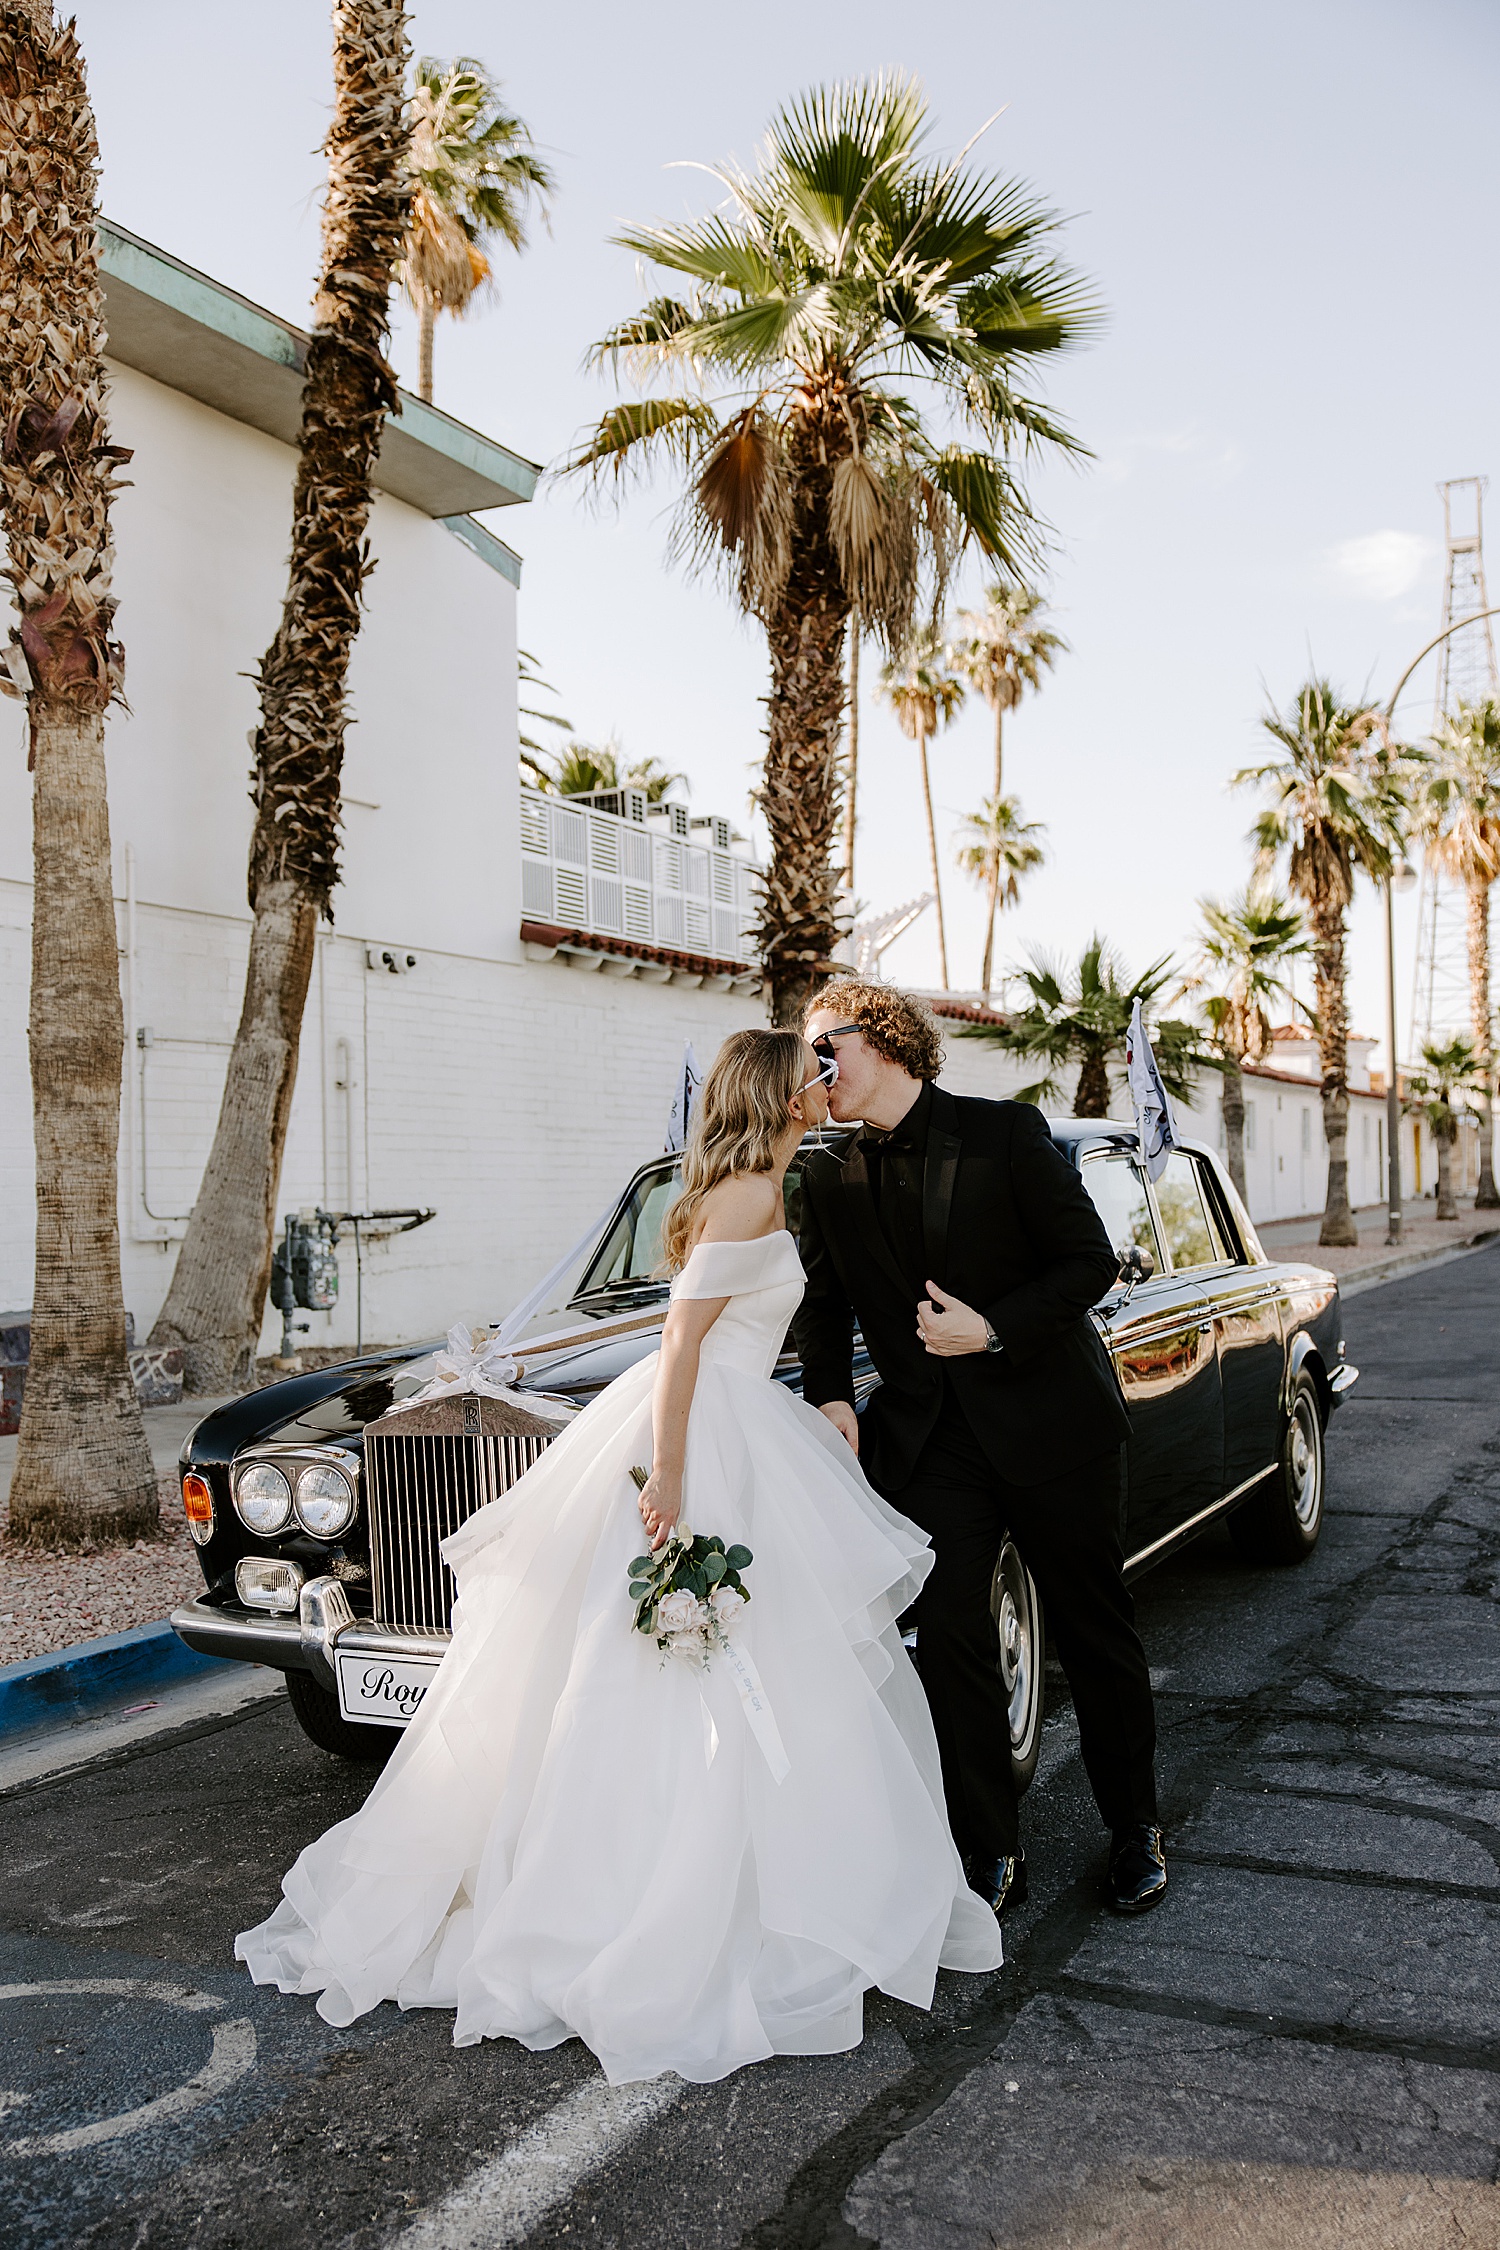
(897, 1138)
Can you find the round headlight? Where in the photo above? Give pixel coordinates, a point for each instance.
(262, 1498)
(325, 1501)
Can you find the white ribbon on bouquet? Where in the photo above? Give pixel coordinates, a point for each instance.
(757, 1708)
(483, 1365)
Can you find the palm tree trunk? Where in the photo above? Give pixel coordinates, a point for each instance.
(992, 906)
(851, 756)
(1232, 1105)
(426, 323)
(937, 881)
(1487, 1197)
(986, 973)
(1091, 1095)
(1338, 1228)
(1443, 1139)
(217, 1297)
(799, 795)
(83, 1466)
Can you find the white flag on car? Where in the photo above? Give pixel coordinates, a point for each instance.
(1153, 1104)
(684, 1094)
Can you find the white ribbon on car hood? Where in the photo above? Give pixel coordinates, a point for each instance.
(483, 1365)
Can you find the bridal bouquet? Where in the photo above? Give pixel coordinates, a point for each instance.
(689, 1592)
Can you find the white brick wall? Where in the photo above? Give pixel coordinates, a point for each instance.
(514, 1097)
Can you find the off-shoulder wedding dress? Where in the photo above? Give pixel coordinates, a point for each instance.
(576, 1838)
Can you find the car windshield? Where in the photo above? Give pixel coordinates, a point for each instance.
(629, 1259)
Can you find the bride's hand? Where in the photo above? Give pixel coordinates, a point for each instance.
(660, 1504)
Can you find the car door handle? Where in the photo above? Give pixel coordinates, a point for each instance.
(1205, 1327)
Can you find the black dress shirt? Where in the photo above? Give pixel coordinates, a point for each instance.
(895, 1161)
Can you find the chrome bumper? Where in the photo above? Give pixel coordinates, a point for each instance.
(1342, 1382)
(304, 1643)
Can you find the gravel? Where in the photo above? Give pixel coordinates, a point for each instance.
(49, 1600)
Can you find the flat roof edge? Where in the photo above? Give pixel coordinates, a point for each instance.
(250, 366)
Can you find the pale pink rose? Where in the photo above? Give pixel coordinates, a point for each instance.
(679, 1613)
(726, 1603)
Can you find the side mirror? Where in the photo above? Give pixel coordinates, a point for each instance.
(1136, 1265)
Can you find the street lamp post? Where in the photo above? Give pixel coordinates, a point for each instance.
(1401, 878)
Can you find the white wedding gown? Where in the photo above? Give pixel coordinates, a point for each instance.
(574, 1838)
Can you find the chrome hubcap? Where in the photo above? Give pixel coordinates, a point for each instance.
(1305, 1460)
(1017, 1656)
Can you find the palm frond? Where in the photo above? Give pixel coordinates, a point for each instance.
(633, 436)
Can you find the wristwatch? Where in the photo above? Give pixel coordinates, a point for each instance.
(992, 1342)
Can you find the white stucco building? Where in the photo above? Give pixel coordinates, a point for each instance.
(510, 1076)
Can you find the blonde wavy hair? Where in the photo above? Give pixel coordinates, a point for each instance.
(740, 1116)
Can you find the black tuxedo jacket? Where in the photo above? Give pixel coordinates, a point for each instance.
(1009, 1228)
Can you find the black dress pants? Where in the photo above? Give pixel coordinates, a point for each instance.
(1067, 1531)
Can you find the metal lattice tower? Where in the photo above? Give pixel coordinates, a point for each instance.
(1466, 674)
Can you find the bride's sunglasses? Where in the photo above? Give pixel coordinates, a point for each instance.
(828, 1061)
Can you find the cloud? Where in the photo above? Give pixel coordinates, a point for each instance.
(1381, 566)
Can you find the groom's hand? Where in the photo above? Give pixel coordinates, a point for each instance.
(948, 1327)
(844, 1419)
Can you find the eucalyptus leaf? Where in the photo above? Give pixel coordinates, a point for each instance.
(739, 1558)
(640, 1566)
(714, 1567)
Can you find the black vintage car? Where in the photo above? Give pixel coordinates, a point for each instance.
(318, 1533)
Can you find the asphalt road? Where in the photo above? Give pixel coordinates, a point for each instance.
(1302, 2047)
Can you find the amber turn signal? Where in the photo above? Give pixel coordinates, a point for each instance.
(198, 1506)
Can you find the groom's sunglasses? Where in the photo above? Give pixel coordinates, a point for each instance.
(828, 1061)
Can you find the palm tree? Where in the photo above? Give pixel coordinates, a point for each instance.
(83, 1467)
(1082, 1016)
(477, 173)
(1452, 1067)
(1002, 650)
(1000, 848)
(571, 772)
(925, 695)
(1335, 805)
(533, 755)
(1459, 817)
(218, 1291)
(1244, 947)
(851, 305)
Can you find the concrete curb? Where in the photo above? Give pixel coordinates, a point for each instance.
(1408, 1261)
(82, 1682)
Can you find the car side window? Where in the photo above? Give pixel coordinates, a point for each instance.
(1119, 1196)
(1187, 1218)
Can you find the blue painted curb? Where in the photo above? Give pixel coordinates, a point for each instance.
(82, 1682)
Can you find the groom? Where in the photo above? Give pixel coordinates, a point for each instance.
(968, 1251)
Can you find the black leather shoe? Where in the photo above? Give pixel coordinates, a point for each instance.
(1001, 1883)
(1137, 1871)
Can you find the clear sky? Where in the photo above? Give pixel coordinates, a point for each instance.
(1289, 212)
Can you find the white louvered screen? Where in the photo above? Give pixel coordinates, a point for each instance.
(607, 901)
(572, 896)
(594, 872)
(570, 835)
(535, 836)
(536, 889)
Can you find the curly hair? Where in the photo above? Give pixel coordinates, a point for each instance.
(896, 1024)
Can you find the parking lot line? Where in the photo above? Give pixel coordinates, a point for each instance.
(505, 2199)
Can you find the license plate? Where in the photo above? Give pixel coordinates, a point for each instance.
(383, 1691)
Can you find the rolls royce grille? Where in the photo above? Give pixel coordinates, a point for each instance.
(418, 1490)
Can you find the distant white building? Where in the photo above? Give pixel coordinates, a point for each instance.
(497, 1017)
(1286, 1156)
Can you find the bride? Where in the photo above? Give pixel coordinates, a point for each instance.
(580, 1836)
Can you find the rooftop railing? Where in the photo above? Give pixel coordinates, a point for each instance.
(652, 875)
